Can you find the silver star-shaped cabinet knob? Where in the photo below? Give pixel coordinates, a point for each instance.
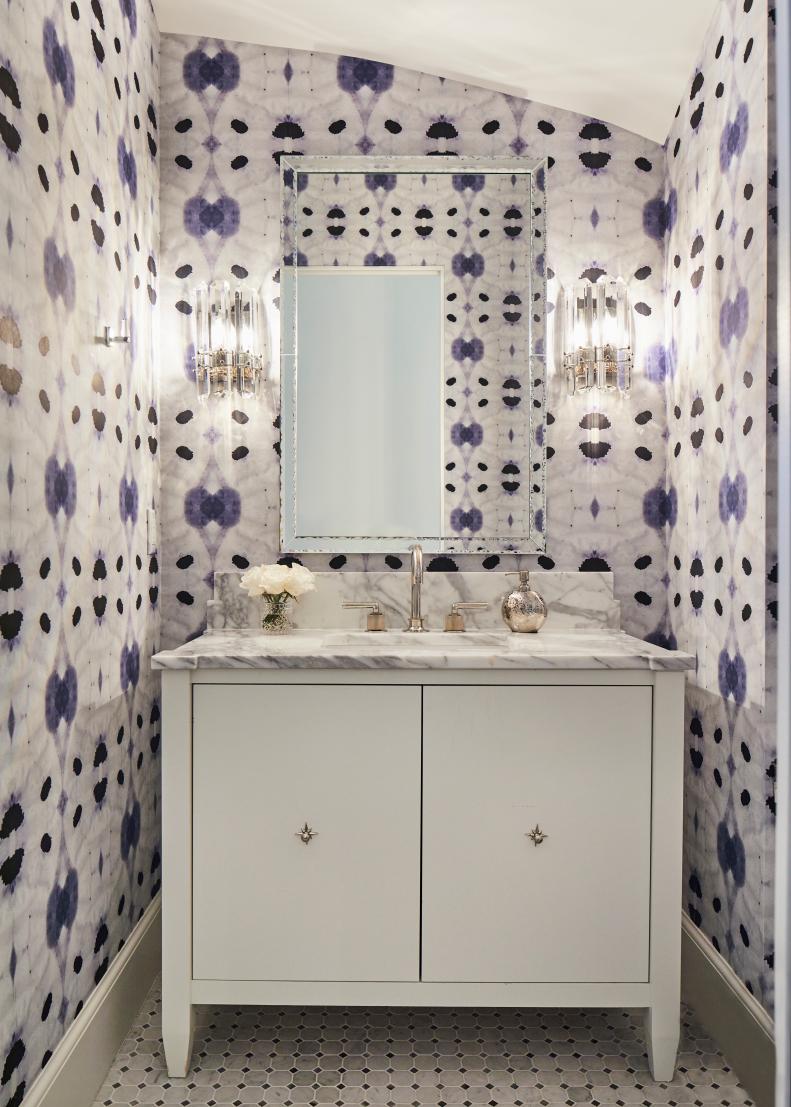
(537, 835)
(306, 833)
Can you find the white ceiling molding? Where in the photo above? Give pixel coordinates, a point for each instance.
(624, 61)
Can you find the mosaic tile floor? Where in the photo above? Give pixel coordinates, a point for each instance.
(396, 1057)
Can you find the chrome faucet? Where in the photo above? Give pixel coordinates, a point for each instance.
(415, 624)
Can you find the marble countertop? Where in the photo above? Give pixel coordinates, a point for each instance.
(344, 649)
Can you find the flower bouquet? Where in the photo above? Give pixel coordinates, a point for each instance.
(278, 584)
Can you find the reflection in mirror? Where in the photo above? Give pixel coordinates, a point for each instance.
(369, 396)
(413, 310)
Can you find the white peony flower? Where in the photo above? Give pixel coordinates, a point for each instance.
(249, 582)
(265, 580)
(299, 581)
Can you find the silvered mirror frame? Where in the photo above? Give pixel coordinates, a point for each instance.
(533, 376)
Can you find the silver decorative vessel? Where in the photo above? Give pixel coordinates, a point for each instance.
(524, 611)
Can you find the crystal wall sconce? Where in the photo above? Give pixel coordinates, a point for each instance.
(230, 347)
(597, 336)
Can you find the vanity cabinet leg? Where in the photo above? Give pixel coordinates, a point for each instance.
(662, 1031)
(178, 1028)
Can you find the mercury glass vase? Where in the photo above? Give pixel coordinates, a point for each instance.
(277, 619)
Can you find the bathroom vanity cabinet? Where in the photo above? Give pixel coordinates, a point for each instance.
(423, 836)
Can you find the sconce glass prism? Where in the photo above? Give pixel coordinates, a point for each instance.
(597, 334)
(246, 317)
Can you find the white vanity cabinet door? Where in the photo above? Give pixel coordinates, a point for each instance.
(499, 761)
(268, 759)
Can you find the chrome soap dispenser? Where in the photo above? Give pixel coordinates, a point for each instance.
(524, 611)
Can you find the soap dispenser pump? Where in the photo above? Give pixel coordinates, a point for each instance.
(524, 611)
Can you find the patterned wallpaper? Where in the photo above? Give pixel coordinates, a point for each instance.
(228, 111)
(479, 228)
(79, 732)
(721, 422)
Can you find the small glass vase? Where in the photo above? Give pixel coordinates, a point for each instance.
(276, 618)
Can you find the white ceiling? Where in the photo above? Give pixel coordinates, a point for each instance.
(624, 61)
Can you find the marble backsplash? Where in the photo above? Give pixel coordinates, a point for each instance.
(575, 600)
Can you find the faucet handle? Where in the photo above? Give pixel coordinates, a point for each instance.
(375, 619)
(454, 620)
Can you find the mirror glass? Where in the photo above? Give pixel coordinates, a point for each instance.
(369, 341)
(413, 305)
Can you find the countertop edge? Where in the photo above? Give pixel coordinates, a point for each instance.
(677, 662)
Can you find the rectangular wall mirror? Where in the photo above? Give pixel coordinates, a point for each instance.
(413, 304)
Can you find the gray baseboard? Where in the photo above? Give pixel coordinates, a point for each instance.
(733, 1017)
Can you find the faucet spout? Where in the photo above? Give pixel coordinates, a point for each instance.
(415, 624)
